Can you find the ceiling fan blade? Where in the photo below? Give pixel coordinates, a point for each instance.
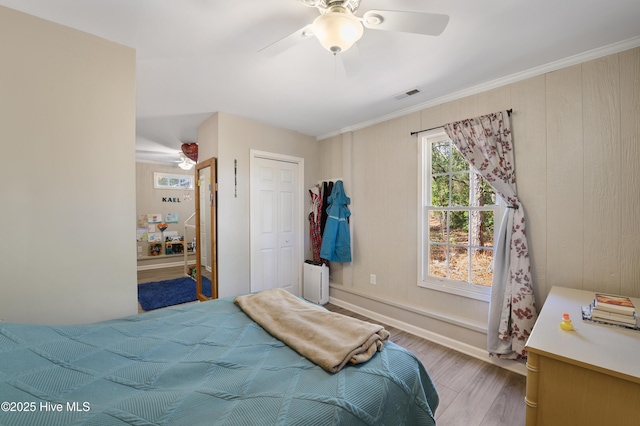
(350, 60)
(408, 22)
(287, 42)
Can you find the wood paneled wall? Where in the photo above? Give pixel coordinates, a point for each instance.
(589, 205)
(629, 202)
(577, 146)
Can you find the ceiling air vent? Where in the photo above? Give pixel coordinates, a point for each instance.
(406, 94)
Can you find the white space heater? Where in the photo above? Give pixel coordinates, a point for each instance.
(316, 282)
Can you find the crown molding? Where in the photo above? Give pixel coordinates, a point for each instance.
(600, 52)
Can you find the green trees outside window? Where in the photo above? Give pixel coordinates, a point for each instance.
(461, 219)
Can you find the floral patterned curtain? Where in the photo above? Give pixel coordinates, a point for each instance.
(486, 143)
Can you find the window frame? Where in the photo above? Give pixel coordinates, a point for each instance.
(185, 182)
(447, 285)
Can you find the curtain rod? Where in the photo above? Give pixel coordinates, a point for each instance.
(509, 111)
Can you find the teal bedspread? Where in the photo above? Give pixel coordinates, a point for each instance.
(203, 363)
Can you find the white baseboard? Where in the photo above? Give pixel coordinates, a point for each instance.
(514, 366)
(163, 265)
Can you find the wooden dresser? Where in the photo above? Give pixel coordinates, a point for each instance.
(588, 376)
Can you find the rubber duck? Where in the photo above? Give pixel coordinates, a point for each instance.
(566, 322)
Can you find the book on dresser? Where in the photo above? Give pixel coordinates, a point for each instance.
(613, 317)
(612, 310)
(616, 304)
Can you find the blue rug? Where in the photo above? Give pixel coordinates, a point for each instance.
(160, 294)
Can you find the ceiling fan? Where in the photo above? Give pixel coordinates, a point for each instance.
(338, 28)
(184, 162)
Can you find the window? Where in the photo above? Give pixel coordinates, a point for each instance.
(171, 181)
(459, 214)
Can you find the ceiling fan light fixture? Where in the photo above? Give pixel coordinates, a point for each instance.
(186, 164)
(337, 31)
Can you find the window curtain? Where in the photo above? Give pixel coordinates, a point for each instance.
(485, 142)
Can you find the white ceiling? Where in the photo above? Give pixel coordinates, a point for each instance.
(197, 57)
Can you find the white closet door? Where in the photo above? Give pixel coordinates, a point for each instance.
(275, 216)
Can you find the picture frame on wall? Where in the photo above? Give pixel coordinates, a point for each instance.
(154, 218)
(142, 220)
(141, 233)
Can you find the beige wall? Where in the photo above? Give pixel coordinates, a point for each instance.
(232, 138)
(208, 138)
(149, 200)
(577, 145)
(67, 135)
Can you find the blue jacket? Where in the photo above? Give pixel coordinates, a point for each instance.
(336, 240)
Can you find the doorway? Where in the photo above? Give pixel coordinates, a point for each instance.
(276, 207)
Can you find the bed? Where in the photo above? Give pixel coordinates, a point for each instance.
(201, 363)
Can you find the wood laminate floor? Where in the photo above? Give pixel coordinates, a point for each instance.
(472, 392)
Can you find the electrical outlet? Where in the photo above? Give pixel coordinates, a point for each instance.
(139, 249)
(373, 279)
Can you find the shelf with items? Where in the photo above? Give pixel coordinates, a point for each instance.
(174, 246)
(164, 256)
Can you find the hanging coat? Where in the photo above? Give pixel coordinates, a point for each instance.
(336, 239)
(325, 192)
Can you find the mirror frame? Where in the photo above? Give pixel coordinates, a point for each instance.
(213, 199)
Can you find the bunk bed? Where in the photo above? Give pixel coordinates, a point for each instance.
(200, 363)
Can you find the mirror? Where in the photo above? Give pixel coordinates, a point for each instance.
(206, 255)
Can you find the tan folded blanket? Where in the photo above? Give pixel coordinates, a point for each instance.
(328, 339)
